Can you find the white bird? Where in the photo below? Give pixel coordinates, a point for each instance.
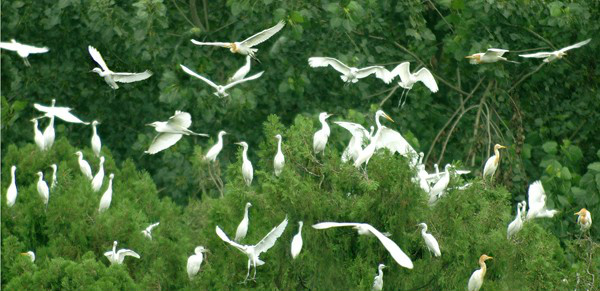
(84, 166)
(107, 196)
(253, 251)
(430, 241)
(523, 210)
(351, 74)
(49, 134)
(322, 135)
(366, 154)
(247, 170)
(421, 178)
(245, 47)
(54, 176)
(492, 163)
(11, 192)
(492, 55)
(378, 280)
(584, 219)
(111, 77)
(241, 72)
(440, 187)
(194, 261)
(515, 226)
(242, 229)
(117, 257)
(148, 231)
(408, 79)
(551, 56)
(476, 279)
(297, 241)
(537, 202)
(366, 229)
(43, 189)
(30, 254)
(38, 137)
(99, 178)
(171, 131)
(214, 151)
(96, 143)
(23, 50)
(359, 137)
(221, 90)
(279, 160)
(60, 112)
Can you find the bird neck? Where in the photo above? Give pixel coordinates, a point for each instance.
(325, 126)
(220, 139)
(245, 154)
(110, 184)
(483, 267)
(300, 229)
(378, 122)
(246, 212)
(380, 273)
(94, 129)
(279, 145)
(424, 230)
(12, 173)
(497, 154)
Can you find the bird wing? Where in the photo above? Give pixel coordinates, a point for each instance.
(493, 52)
(126, 252)
(255, 76)
(539, 55)
(325, 225)
(242, 71)
(190, 72)
(401, 258)
(163, 141)
(269, 240)
(462, 172)
(36, 50)
(355, 129)
(108, 254)
(394, 141)
(42, 108)
(379, 71)
(181, 119)
(425, 76)
(131, 77)
(97, 57)
(402, 70)
(263, 35)
(69, 117)
(536, 195)
(226, 239)
(9, 46)
(221, 44)
(579, 44)
(316, 62)
(151, 226)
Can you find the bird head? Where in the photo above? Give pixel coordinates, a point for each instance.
(278, 136)
(112, 176)
(95, 122)
(53, 166)
(581, 212)
(79, 153)
(96, 70)
(101, 159)
(300, 223)
(422, 225)
(153, 124)
(476, 57)
(484, 258)
(381, 113)
(200, 249)
(324, 115)
(13, 168)
(248, 204)
(40, 174)
(381, 266)
(222, 133)
(498, 146)
(242, 143)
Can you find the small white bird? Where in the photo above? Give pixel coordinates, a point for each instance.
(359, 137)
(476, 279)
(279, 160)
(11, 192)
(99, 178)
(408, 79)
(23, 50)
(378, 280)
(515, 226)
(171, 131)
(107, 196)
(351, 74)
(377, 141)
(111, 77)
(117, 257)
(96, 143)
(60, 112)
(297, 241)
(43, 189)
(194, 261)
(84, 166)
(30, 254)
(214, 151)
(148, 231)
(537, 202)
(38, 137)
(492, 55)
(221, 90)
(49, 134)
(584, 219)
(241, 72)
(54, 176)
(439, 188)
(492, 163)
(322, 135)
(430, 241)
(247, 170)
(242, 229)
(551, 56)
(245, 47)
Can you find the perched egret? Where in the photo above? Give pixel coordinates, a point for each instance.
(54, 180)
(171, 131)
(96, 143)
(194, 261)
(551, 56)
(396, 143)
(351, 74)
(60, 112)
(297, 241)
(476, 279)
(29, 254)
(247, 170)
(43, 189)
(322, 135)
(214, 151)
(38, 137)
(23, 50)
(492, 55)
(111, 77)
(440, 187)
(49, 134)
(117, 257)
(430, 241)
(107, 196)
(11, 192)
(99, 178)
(366, 154)
(359, 136)
(241, 72)
(537, 202)
(516, 225)
(584, 219)
(253, 251)
(242, 228)
(492, 163)
(245, 47)
(421, 178)
(148, 231)
(408, 79)
(366, 229)
(84, 166)
(279, 160)
(378, 280)
(221, 90)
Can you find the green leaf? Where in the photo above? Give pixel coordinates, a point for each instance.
(458, 4)
(565, 174)
(595, 166)
(296, 17)
(550, 147)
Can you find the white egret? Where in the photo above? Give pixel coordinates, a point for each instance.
(29, 254)
(476, 279)
(408, 79)
(322, 135)
(253, 251)
(84, 166)
(378, 280)
(38, 137)
(111, 77)
(366, 229)
(221, 90)
(537, 202)
(60, 112)
(43, 189)
(96, 143)
(242, 229)
(194, 261)
(117, 257)
(366, 154)
(430, 241)
(99, 177)
(492, 55)
(23, 50)
(515, 226)
(247, 170)
(421, 178)
(245, 47)
(492, 163)
(214, 151)
(551, 56)
(279, 160)
(148, 231)
(359, 136)
(11, 192)
(584, 219)
(49, 134)
(171, 131)
(54, 176)
(241, 72)
(440, 187)
(297, 241)
(107, 196)
(351, 74)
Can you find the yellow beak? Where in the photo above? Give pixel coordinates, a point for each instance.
(388, 117)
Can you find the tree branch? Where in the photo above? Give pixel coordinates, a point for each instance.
(194, 13)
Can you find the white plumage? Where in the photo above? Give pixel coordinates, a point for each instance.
(96, 143)
(297, 241)
(279, 160)
(476, 279)
(54, 175)
(171, 131)
(195, 261)
(492, 55)
(408, 79)
(584, 219)
(49, 134)
(43, 189)
(351, 74)
(247, 170)
(148, 231)
(117, 257)
(29, 254)
(366, 154)
(111, 77)
(359, 138)
(492, 163)
(84, 166)
(38, 137)
(551, 56)
(241, 72)
(23, 50)
(322, 135)
(378, 280)
(99, 177)
(515, 226)
(60, 112)
(214, 151)
(107, 196)
(242, 229)
(430, 241)
(440, 186)
(537, 202)
(11, 192)
(221, 90)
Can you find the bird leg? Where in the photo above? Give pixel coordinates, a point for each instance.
(254, 278)
(400, 99)
(26, 62)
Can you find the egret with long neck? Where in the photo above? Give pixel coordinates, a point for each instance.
(279, 160)
(476, 279)
(368, 151)
(242, 228)
(322, 135)
(247, 170)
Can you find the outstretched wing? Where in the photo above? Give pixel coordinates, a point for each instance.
(131, 77)
(9, 46)
(379, 71)
(402, 70)
(126, 252)
(355, 129)
(151, 226)
(401, 258)
(256, 76)
(316, 62)
(163, 141)
(577, 45)
(269, 240)
(97, 57)
(263, 35)
(190, 72)
(539, 55)
(395, 142)
(242, 71)
(226, 239)
(425, 76)
(181, 119)
(325, 225)
(221, 44)
(536, 196)
(493, 52)
(36, 50)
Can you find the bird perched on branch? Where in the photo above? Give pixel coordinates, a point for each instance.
(476, 279)
(584, 219)
(492, 163)
(117, 257)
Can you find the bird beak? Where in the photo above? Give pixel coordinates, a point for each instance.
(23, 254)
(502, 147)
(577, 213)
(388, 117)
(329, 115)
(238, 143)
(148, 124)
(469, 57)
(490, 258)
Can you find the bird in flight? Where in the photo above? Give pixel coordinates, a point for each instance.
(111, 77)
(551, 56)
(221, 90)
(408, 79)
(351, 74)
(492, 55)
(23, 50)
(171, 131)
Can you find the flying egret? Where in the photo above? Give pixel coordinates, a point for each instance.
(322, 135)
(366, 154)
(297, 241)
(584, 219)
(279, 160)
(476, 279)
(366, 229)
(408, 79)
(171, 131)
(96, 143)
(247, 170)
(54, 180)
(516, 225)
(117, 257)
(148, 231)
(440, 187)
(221, 90)
(245, 47)
(253, 251)
(99, 178)
(492, 55)
(351, 74)
(38, 137)
(194, 261)
(430, 241)
(43, 189)
(49, 134)
(551, 56)
(492, 163)
(23, 50)
(84, 166)
(29, 254)
(537, 202)
(241, 72)
(111, 77)
(60, 112)
(359, 136)
(214, 151)
(11, 192)
(378, 280)
(107, 196)
(242, 229)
